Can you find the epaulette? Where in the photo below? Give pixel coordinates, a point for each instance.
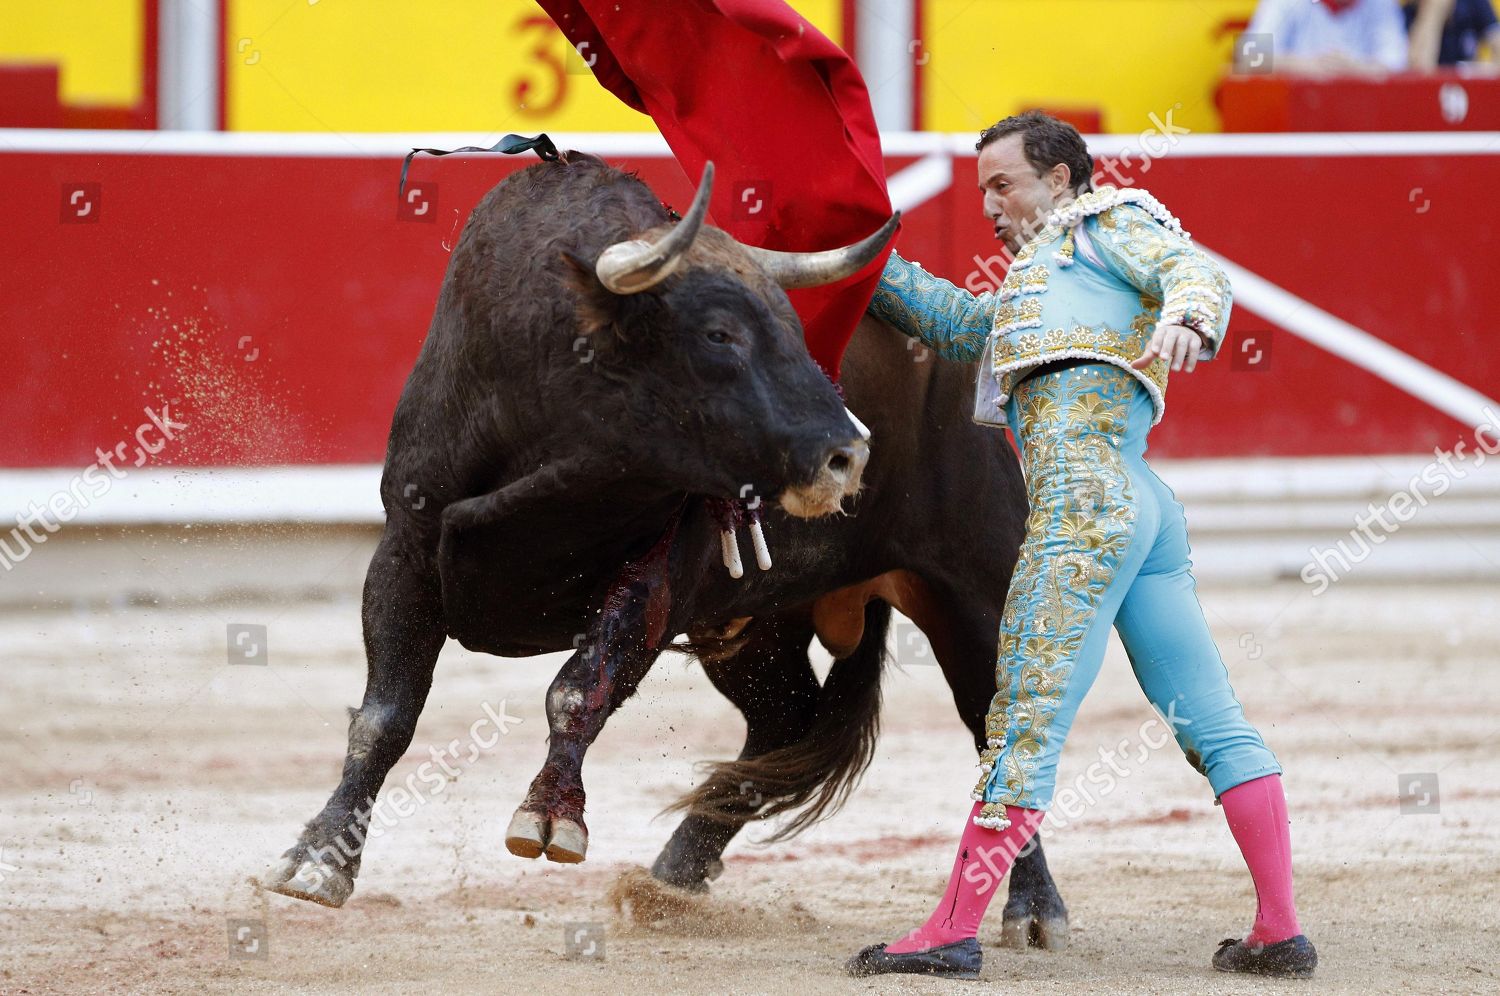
(1106, 197)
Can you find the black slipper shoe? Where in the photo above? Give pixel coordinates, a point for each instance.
(1293, 958)
(959, 960)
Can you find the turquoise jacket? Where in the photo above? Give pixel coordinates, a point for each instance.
(1095, 282)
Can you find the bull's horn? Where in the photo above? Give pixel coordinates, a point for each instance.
(812, 269)
(638, 265)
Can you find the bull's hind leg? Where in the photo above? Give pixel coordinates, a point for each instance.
(771, 681)
(806, 745)
(964, 642)
(403, 631)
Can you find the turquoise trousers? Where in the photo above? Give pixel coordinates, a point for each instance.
(1106, 544)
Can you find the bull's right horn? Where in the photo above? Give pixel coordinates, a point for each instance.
(637, 265)
(813, 269)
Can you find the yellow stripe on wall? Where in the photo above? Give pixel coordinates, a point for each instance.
(96, 43)
(444, 65)
(1130, 58)
(497, 65)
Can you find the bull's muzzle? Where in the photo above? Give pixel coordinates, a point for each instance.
(838, 477)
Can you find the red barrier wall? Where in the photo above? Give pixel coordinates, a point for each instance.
(281, 300)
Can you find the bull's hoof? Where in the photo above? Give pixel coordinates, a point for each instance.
(526, 837)
(569, 842)
(1028, 930)
(315, 881)
(530, 835)
(668, 872)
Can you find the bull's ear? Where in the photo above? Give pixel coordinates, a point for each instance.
(596, 306)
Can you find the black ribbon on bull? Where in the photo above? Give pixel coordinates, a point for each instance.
(509, 145)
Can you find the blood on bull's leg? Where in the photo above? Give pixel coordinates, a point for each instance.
(403, 634)
(616, 654)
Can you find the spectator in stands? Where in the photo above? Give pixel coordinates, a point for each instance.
(1326, 37)
(1447, 32)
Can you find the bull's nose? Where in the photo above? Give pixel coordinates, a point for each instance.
(838, 477)
(846, 463)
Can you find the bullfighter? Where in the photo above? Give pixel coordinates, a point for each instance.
(1106, 295)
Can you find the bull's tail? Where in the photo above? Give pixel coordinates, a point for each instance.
(813, 777)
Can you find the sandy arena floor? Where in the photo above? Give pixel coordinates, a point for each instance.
(147, 778)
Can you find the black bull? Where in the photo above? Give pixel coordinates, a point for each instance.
(561, 466)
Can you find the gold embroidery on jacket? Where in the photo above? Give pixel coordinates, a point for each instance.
(1018, 314)
(1198, 292)
(1016, 355)
(900, 301)
(1024, 280)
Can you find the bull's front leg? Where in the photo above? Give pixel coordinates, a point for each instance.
(403, 628)
(615, 654)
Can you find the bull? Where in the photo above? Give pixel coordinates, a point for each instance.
(607, 399)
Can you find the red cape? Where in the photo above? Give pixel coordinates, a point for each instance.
(782, 112)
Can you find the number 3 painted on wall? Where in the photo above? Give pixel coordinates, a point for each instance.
(544, 53)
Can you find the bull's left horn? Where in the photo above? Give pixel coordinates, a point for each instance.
(638, 265)
(813, 269)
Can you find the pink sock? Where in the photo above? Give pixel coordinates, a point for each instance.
(984, 856)
(1256, 811)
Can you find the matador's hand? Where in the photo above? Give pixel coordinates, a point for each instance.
(1176, 343)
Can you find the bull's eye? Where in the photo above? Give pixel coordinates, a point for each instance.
(719, 336)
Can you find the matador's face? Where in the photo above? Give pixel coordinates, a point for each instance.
(1017, 199)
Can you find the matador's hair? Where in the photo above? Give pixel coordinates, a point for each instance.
(1046, 142)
